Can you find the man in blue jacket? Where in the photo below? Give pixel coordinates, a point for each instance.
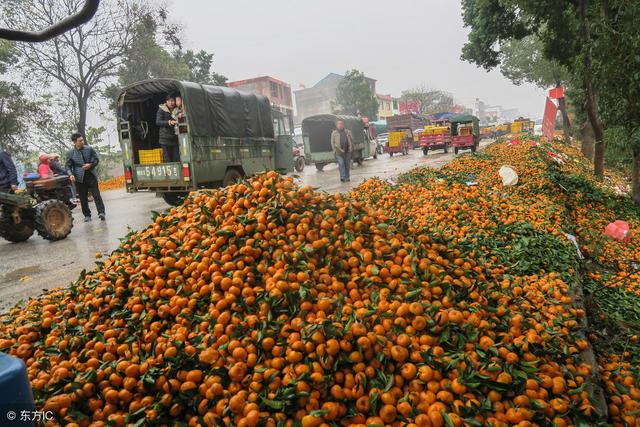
(8, 174)
(81, 166)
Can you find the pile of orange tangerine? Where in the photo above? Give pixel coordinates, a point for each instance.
(268, 304)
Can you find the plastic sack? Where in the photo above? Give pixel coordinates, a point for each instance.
(508, 175)
(618, 230)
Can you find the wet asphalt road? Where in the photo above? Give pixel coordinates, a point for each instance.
(30, 267)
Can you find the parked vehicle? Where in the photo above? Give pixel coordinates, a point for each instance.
(436, 136)
(381, 142)
(413, 121)
(299, 161)
(487, 132)
(503, 129)
(400, 141)
(44, 207)
(465, 132)
(316, 134)
(225, 134)
(417, 133)
(522, 126)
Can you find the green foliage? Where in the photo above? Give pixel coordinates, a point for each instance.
(8, 55)
(354, 96)
(156, 52)
(523, 61)
(618, 151)
(617, 73)
(15, 109)
(15, 116)
(429, 101)
(528, 251)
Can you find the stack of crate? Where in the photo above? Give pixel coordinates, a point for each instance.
(150, 157)
(466, 130)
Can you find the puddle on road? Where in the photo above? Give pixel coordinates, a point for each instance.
(22, 274)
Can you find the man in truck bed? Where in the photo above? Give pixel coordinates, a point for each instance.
(167, 135)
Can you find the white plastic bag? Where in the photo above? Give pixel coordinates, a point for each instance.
(508, 175)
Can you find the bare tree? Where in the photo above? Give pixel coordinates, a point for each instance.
(83, 59)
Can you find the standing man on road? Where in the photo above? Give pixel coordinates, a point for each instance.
(342, 144)
(166, 123)
(8, 173)
(81, 166)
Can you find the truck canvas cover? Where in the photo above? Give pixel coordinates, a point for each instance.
(211, 111)
(465, 118)
(320, 127)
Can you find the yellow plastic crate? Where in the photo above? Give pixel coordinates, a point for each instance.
(395, 138)
(466, 131)
(440, 130)
(150, 157)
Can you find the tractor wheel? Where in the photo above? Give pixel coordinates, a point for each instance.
(231, 177)
(299, 164)
(174, 198)
(53, 220)
(319, 166)
(15, 232)
(425, 150)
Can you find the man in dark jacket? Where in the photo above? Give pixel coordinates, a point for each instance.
(8, 174)
(166, 124)
(342, 145)
(81, 166)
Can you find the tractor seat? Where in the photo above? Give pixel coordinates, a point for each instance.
(49, 182)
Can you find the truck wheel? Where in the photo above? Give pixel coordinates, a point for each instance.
(299, 165)
(446, 148)
(15, 232)
(425, 150)
(319, 166)
(53, 220)
(231, 177)
(390, 153)
(456, 150)
(174, 198)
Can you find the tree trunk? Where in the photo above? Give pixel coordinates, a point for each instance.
(635, 192)
(590, 101)
(83, 103)
(566, 124)
(588, 140)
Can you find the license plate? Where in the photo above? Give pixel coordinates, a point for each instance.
(163, 172)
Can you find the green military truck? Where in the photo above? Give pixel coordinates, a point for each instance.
(225, 134)
(316, 134)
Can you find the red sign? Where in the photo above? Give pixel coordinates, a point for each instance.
(407, 107)
(549, 120)
(557, 92)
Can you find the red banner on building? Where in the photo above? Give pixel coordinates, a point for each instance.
(549, 120)
(557, 93)
(407, 107)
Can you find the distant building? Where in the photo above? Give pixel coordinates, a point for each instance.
(317, 99)
(385, 106)
(494, 113)
(278, 92)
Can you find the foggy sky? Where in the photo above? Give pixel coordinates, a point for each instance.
(400, 43)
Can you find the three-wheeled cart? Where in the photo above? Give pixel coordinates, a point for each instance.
(400, 141)
(465, 132)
